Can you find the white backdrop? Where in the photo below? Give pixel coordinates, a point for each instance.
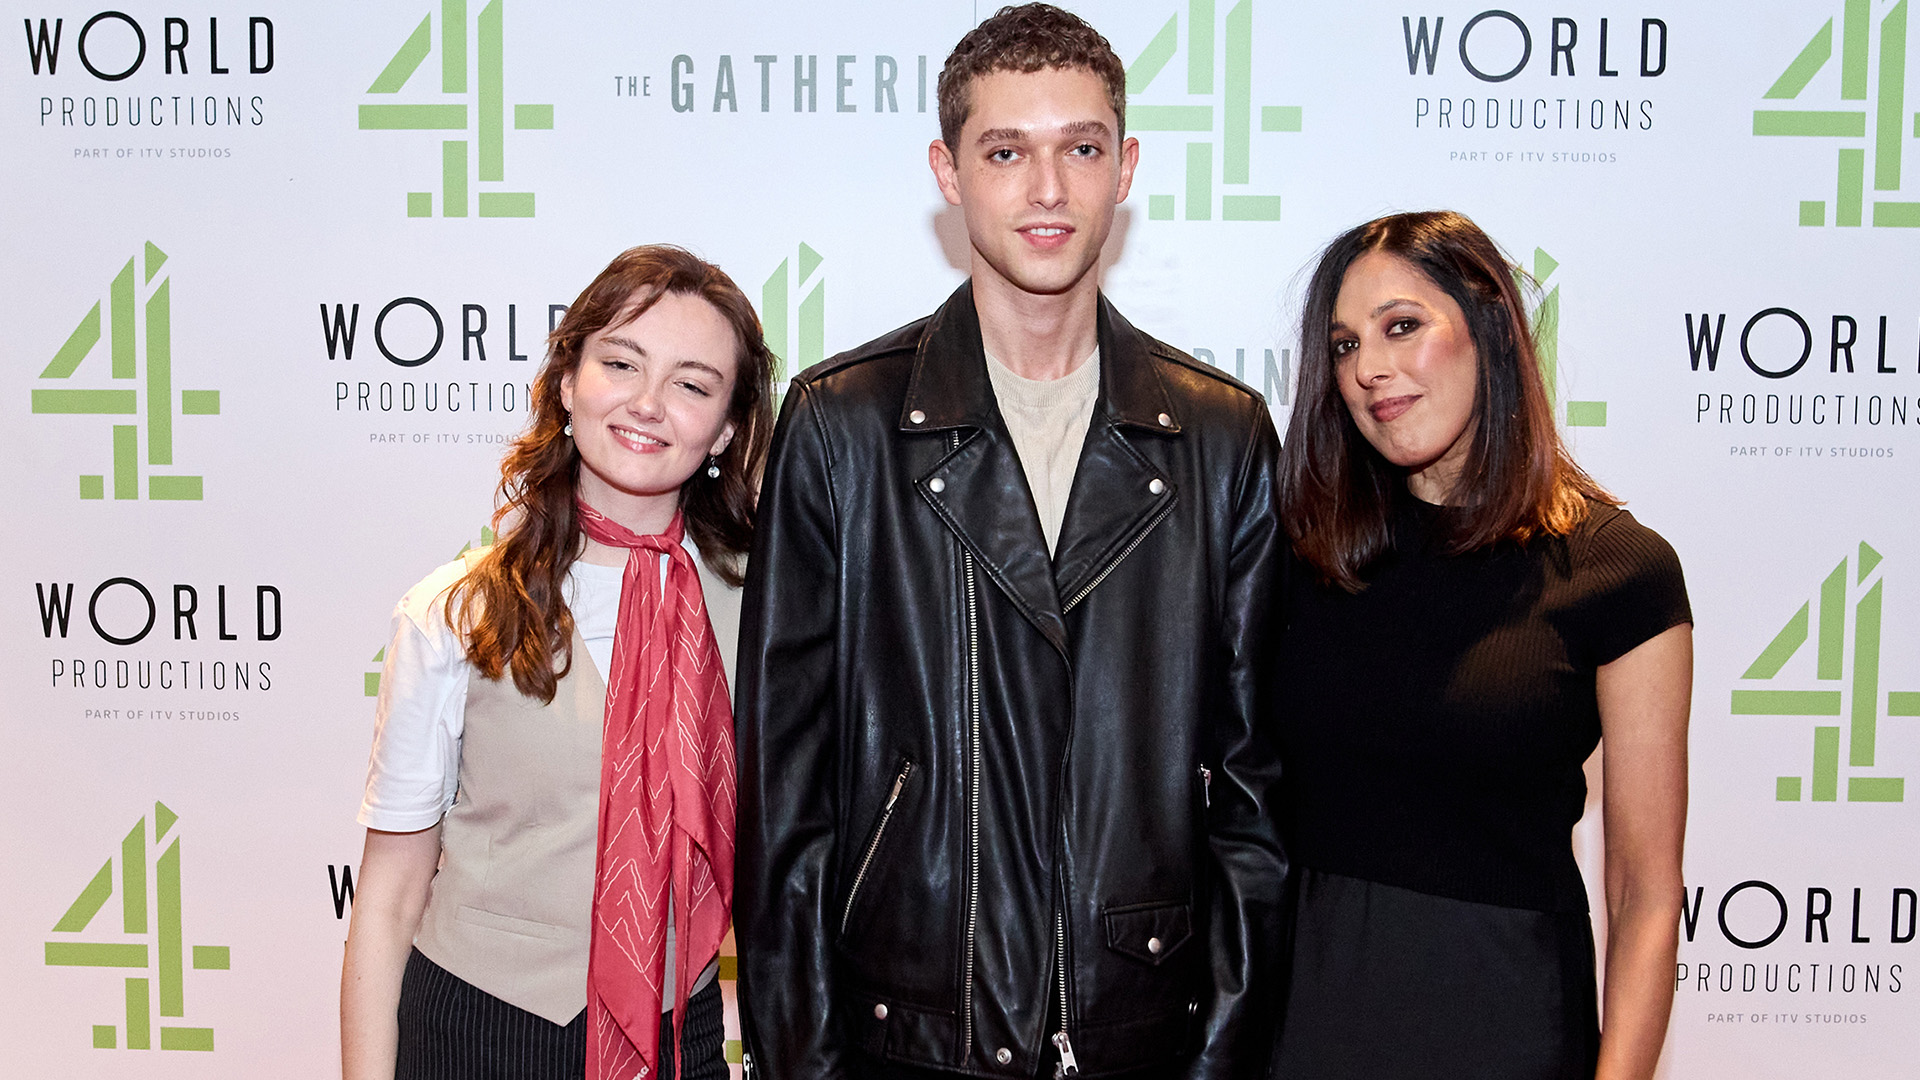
(1706, 194)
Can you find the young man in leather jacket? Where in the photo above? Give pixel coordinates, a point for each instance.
(1004, 793)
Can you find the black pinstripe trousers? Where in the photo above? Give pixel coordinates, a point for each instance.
(452, 1030)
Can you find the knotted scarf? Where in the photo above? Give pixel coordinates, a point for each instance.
(666, 803)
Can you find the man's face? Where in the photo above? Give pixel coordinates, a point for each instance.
(1037, 172)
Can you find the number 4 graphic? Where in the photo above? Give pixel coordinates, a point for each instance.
(153, 946)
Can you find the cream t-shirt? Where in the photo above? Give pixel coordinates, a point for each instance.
(1048, 419)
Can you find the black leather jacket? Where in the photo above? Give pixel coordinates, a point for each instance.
(981, 788)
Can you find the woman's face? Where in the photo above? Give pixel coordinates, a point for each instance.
(649, 402)
(1407, 370)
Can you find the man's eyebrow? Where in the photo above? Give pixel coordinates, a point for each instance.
(1073, 130)
(1001, 135)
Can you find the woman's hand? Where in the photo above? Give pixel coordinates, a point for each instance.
(1644, 700)
(390, 894)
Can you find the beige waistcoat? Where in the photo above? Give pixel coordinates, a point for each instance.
(509, 908)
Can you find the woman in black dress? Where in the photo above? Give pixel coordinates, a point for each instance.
(1468, 615)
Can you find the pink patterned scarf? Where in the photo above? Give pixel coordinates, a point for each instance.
(666, 803)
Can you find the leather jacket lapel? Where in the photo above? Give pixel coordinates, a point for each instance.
(979, 489)
(1114, 501)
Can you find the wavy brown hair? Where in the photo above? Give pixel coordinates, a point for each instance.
(1025, 39)
(1518, 481)
(511, 606)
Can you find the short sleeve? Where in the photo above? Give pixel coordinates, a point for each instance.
(413, 771)
(1632, 588)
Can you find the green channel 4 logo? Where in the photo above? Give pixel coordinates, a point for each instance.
(117, 398)
(1854, 587)
(1546, 333)
(150, 939)
(796, 332)
(486, 120)
(1224, 115)
(1885, 135)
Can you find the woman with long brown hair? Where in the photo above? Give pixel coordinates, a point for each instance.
(550, 801)
(1467, 615)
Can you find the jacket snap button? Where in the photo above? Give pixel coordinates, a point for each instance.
(1157, 486)
(1154, 946)
(880, 1012)
(1165, 420)
(1003, 1055)
(916, 417)
(936, 485)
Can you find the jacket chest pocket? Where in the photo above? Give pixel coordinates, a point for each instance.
(876, 838)
(1149, 932)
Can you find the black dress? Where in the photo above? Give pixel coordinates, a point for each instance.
(1434, 727)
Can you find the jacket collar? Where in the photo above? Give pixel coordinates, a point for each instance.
(949, 386)
(980, 490)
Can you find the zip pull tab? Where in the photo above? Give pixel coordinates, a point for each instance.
(1206, 786)
(898, 783)
(1068, 1066)
(746, 1064)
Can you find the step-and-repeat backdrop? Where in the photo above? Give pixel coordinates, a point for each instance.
(277, 278)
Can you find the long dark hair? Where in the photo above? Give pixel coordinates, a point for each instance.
(511, 606)
(1517, 482)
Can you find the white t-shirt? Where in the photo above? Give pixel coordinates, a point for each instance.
(415, 766)
(414, 770)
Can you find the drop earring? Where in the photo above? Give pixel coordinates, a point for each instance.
(567, 430)
(713, 468)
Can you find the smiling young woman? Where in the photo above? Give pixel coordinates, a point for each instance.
(649, 405)
(508, 921)
(1467, 615)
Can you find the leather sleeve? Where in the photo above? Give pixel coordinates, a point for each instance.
(1249, 868)
(786, 735)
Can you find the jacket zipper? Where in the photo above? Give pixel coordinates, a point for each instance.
(1206, 787)
(973, 785)
(880, 830)
(1091, 585)
(1067, 1065)
(1062, 1042)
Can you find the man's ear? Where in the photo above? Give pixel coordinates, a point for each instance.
(946, 171)
(1129, 159)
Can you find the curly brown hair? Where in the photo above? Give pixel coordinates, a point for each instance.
(1025, 39)
(1519, 481)
(511, 607)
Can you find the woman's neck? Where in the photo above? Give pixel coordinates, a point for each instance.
(640, 515)
(599, 554)
(1433, 484)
